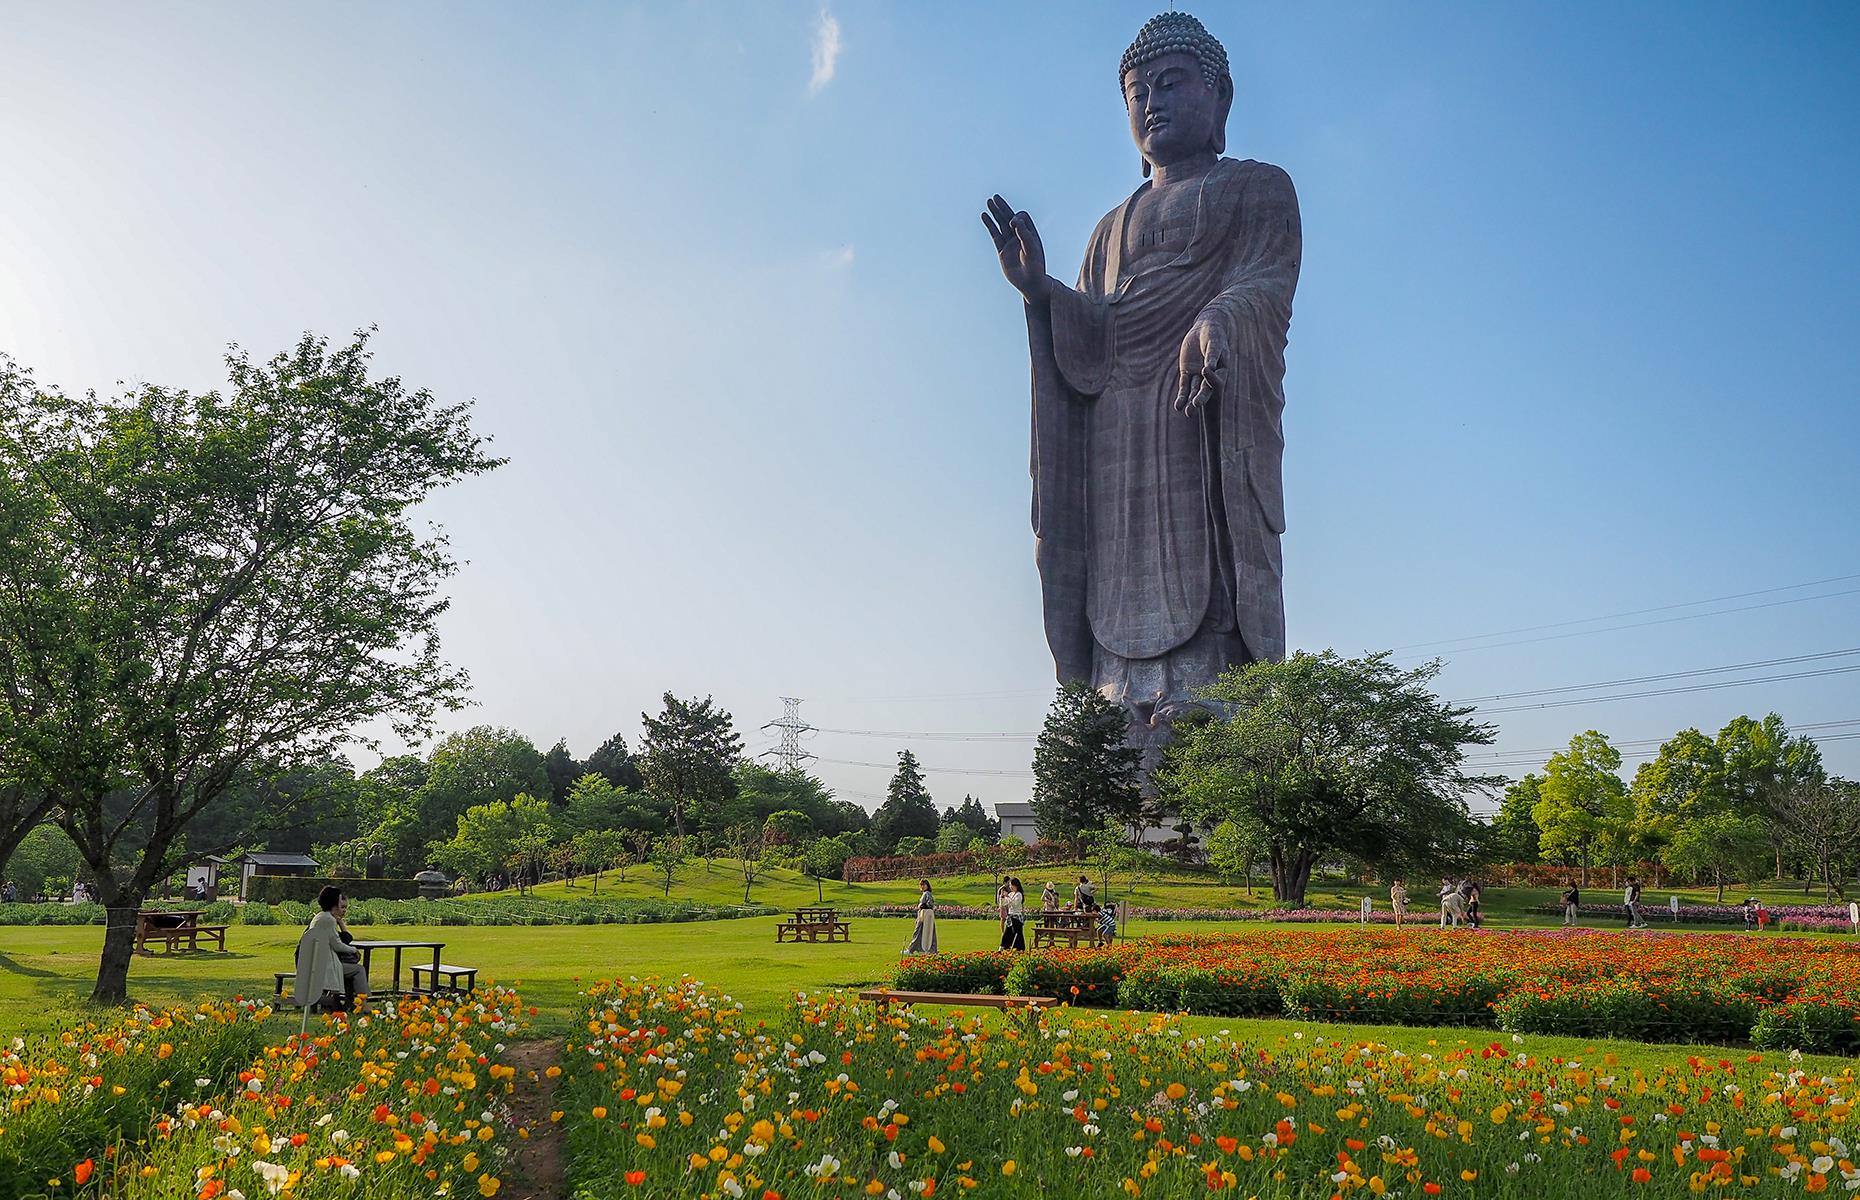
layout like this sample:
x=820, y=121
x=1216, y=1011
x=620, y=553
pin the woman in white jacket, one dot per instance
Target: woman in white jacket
x=329, y=970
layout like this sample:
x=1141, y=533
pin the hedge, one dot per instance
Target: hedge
x=272, y=889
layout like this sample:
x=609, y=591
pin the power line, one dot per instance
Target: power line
x=1554, y=637
x=919, y=735
x=1640, y=612
x=1587, y=687
x=1642, y=742
x=848, y=762
x=1697, y=687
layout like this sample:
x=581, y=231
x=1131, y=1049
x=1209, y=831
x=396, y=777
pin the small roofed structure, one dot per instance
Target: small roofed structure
x=264, y=862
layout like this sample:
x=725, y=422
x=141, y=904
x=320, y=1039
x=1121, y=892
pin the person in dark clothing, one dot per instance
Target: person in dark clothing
x=1572, y=903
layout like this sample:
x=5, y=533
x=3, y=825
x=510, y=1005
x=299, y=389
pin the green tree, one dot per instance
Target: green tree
x=503, y=833
x=466, y=770
x=562, y=771
x=750, y=853
x=614, y=762
x=595, y=803
x=1327, y=755
x=668, y=854
x=193, y=586
x=23, y=805
x=787, y=827
x=1108, y=850
x=908, y=811
x=952, y=837
x=1822, y=817
x=44, y=861
x=1764, y=763
x=1684, y=781
x=825, y=859
x=687, y=760
x=1085, y=772
x=762, y=791
x=1718, y=846
x=1233, y=849
x=972, y=816
x=597, y=850
x=1581, y=799
x=1515, y=837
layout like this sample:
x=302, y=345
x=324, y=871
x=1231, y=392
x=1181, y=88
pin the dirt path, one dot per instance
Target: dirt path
x=536, y=1171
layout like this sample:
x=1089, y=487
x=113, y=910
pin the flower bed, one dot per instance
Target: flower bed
x=673, y=1094
x=1655, y=987
x=1823, y=918
x=224, y=1100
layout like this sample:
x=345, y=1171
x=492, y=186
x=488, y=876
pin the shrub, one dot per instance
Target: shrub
x=1085, y=977
x=270, y=889
x=258, y=914
x=982, y=973
x=1243, y=991
x=1819, y=1020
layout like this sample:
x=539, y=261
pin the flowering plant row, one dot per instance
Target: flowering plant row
x=673, y=1094
x=226, y=1101
x=1829, y=917
x=1660, y=987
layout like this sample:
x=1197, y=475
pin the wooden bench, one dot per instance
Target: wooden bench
x=446, y=979
x=172, y=929
x=886, y=997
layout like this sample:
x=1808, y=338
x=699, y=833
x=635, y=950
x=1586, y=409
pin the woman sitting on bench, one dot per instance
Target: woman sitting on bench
x=329, y=970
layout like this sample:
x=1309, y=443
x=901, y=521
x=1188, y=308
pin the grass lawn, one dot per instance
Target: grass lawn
x=720, y=882
x=46, y=971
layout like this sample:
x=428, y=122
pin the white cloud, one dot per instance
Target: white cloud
x=838, y=260
x=826, y=52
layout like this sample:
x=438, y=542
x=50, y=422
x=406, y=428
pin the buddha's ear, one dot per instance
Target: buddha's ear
x=1222, y=107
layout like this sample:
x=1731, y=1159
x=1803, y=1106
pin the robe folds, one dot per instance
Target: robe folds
x=1151, y=526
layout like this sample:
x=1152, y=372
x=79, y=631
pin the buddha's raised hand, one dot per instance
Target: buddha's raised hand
x=1017, y=242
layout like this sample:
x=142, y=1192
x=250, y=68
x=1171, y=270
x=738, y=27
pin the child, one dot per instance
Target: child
x=1398, y=900
x=1750, y=913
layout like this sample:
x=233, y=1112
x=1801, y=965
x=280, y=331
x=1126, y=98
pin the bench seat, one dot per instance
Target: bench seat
x=887, y=996
x=450, y=974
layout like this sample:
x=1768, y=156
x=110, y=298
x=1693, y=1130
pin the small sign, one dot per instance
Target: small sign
x=1672, y=902
x=1366, y=907
x=1853, y=914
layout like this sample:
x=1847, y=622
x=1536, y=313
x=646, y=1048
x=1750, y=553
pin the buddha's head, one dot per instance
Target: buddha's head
x=1177, y=89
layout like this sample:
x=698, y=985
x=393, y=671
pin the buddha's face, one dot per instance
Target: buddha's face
x=1174, y=113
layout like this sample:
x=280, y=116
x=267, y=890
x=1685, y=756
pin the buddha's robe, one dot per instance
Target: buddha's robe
x=1157, y=533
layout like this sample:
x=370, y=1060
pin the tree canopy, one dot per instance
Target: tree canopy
x=1329, y=755
x=1085, y=772
x=193, y=585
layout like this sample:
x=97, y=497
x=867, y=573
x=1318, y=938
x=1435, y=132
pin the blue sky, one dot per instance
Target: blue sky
x=1576, y=333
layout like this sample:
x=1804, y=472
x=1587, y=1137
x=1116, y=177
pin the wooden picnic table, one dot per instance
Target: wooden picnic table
x=1070, y=926
x=172, y=927
x=814, y=924
x=398, y=947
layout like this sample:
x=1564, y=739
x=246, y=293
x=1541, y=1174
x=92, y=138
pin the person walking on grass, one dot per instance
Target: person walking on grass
x=1572, y=904
x=923, y=938
x=1001, y=901
x=1398, y=900
x=1630, y=897
x=1012, y=935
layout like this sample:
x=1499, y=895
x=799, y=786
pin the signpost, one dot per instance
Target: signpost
x=1365, y=920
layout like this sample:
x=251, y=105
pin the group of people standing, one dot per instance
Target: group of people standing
x=1459, y=903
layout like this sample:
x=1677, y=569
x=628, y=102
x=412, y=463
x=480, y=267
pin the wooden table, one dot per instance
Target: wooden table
x=368, y=949
x=1067, y=926
x=171, y=927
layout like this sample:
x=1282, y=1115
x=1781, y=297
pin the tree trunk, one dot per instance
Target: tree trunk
x=1719, y=876
x=119, y=945
x=1291, y=873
